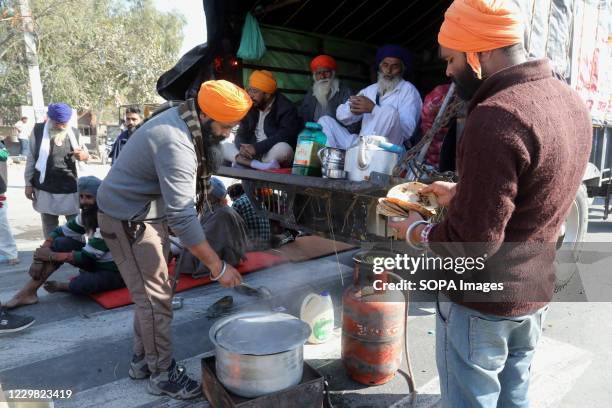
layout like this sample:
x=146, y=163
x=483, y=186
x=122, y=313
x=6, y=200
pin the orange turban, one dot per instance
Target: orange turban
x=223, y=101
x=473, y=26
x=263, y=80
x=323, y=61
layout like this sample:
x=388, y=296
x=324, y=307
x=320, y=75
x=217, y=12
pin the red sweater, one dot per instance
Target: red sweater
x=520, y=160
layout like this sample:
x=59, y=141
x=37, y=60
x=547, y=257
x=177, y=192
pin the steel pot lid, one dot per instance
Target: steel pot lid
x=259, y=333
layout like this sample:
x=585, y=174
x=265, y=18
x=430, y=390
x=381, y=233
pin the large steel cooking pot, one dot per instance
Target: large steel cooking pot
x=258, y=353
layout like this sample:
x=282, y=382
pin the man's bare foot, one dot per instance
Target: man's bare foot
x=54, y=286
x=243, y=161
x=21, y=299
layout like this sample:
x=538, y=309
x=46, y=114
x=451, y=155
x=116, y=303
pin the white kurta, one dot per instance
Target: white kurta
x=395, y=117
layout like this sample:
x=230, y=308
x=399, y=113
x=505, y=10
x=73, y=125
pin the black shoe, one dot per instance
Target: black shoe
x=11, y=323
x=174, y=383
x=139, y=370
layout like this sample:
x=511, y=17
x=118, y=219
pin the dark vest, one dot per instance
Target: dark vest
x=61, y=174
x=3, y=173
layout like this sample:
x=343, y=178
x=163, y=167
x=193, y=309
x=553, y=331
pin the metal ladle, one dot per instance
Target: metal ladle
x=248, y=290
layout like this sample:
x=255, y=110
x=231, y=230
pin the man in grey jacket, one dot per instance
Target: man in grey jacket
x=327, y=93
x=151, y=187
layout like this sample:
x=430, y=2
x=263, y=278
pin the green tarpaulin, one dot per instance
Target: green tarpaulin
x=289, y=52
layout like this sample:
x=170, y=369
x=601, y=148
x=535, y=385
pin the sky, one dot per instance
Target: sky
x=195, y=30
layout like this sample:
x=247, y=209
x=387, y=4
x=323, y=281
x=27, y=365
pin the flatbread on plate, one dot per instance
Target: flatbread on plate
x=407, y=197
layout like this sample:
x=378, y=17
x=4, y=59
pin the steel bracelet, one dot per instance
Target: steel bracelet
x=409, y=233
x=425, y=233
x=223, y=268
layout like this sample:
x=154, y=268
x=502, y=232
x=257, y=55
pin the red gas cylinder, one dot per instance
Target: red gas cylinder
x=373, y=324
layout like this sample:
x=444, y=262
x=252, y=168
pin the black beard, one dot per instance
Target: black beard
x=467, y=83
x=212, y=148
x=89, y=218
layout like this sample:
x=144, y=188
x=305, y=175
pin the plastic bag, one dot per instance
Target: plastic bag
x=4, y=154
x=252, y=46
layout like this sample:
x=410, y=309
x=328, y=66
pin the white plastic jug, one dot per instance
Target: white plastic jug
x=318, y=311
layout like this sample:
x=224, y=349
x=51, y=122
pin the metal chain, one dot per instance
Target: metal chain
x=410, y=162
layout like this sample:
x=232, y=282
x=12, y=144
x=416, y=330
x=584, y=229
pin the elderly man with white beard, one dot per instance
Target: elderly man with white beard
x=391, y=107
x=326, y=94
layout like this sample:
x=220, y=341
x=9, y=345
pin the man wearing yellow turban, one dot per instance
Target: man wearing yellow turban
x=520, y=159
x=167, y=161
x=267, y=135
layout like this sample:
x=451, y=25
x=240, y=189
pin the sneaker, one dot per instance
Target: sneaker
x=174, y=383
x=139, y=370
x=11, y=323
x=286, y=237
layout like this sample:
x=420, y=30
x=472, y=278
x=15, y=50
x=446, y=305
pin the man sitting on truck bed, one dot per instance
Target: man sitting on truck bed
x=391, y=107
x=326, y=94
x=268, y=133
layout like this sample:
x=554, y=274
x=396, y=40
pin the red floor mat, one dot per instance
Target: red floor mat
x=284, y=170
x=255, y=261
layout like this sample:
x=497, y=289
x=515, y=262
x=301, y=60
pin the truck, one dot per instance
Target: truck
x=576, y=35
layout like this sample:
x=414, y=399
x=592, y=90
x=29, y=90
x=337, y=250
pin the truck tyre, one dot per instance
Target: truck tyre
x=571, y=239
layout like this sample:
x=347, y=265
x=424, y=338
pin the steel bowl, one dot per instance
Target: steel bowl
x=334, y=174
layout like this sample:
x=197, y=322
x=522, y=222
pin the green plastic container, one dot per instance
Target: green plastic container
x=310, y=141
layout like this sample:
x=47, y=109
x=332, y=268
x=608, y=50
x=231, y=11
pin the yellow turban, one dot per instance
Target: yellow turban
x=473, y=26
x=263, y=80
x=223, y=101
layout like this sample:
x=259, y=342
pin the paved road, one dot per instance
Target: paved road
x=77, y=345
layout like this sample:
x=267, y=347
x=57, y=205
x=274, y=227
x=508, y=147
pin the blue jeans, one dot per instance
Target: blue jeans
x=24, y=147
x=484, y=360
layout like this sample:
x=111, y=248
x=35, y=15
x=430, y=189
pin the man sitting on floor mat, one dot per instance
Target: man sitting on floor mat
x=78, y=242
x=224, y=229
x=258, y=226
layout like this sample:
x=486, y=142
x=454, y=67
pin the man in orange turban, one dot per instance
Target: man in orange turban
x=149, y=189
x=473, y=33
x=223, y=102
x=327, y=93
x=268, y=133
x=521, y=159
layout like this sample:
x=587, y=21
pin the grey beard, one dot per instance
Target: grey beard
x=387, y=85
x=324, y=89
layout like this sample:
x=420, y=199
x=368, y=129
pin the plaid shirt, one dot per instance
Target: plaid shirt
x=258, y=228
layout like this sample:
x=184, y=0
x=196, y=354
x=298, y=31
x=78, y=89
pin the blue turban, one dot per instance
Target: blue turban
x=395, y=51
x=59, y=112
x=218, y=188
x=89, y=185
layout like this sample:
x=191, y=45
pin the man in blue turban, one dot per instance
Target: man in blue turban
x=390, y=108
x=395, y=51
x=60, y=113
x=51, y=167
